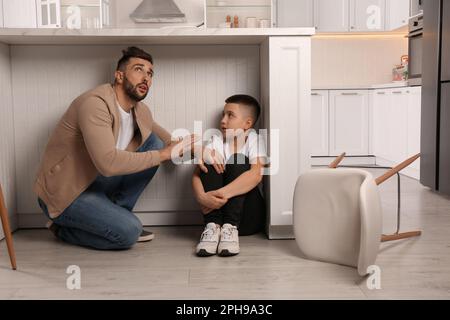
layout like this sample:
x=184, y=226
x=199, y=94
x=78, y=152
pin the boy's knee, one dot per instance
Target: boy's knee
x=211, y=170
x=237, y=165
x=238, y=158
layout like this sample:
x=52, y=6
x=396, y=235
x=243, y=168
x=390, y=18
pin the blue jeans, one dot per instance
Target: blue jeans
x=101, y=217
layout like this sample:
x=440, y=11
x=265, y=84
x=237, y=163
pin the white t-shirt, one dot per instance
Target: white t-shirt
x=253, y=148
x=126, y=131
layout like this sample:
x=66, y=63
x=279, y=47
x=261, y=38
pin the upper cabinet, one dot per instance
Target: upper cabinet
x=343, y=15
x=295, y=13
x=331, y=15
x=397, y=13
x=19, y=14
x=445, y=75
x=367, y=15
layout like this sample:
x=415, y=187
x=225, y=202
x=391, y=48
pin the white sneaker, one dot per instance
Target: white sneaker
x=229, y=241
x=208, y=241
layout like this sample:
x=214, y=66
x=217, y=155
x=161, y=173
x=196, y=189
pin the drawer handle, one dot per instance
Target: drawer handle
x=396, y=92
x=314, y=94
x=381, y=92
x=349, y=93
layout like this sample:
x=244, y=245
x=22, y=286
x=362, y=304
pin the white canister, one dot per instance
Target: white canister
x=264, y=23
x=252, y=22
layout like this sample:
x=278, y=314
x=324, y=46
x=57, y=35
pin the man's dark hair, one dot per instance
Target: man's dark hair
x=248, y=102
x=132, y=52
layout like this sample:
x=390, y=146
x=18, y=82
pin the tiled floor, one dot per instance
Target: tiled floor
x=167, y=268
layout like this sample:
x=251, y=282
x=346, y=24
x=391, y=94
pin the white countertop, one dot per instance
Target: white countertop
x=166, y=35
x=399, y=84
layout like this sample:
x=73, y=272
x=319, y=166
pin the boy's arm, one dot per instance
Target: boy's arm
x=207, y=200
x=244, y=183
x=197, y=184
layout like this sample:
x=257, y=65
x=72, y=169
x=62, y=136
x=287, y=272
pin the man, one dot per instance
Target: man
x=101, y=156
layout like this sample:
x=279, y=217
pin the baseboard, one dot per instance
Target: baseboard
x=38, y=220
x=348, y=160
x=13, y=224
x=281, y=232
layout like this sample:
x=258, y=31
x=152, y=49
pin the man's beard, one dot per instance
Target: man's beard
x=132, y=91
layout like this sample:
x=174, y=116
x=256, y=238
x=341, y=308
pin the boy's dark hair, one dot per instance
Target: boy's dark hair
x=132, y=52
x=247, y=101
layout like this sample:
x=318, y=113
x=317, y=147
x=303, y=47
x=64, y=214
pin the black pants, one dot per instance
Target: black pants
x=247, y=212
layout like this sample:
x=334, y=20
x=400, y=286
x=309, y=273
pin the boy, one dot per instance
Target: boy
x=227, y=187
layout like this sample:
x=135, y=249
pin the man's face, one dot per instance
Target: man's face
x=234, y=118
x=137, y=78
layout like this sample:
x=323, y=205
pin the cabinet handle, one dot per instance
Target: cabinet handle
x=314, y=94
x=396, y=92
x=349, y=93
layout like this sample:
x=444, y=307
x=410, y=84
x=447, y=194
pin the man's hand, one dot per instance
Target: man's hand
x=178, y=148
x=213, y=158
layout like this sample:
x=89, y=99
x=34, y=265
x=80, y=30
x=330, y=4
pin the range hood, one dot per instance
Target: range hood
x=162, y=11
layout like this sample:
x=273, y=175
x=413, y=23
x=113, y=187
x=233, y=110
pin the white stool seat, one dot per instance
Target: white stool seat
x=337, y=217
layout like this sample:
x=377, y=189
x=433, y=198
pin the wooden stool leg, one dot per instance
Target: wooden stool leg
x=336, y=161
x=398, y=236
x=7, y=230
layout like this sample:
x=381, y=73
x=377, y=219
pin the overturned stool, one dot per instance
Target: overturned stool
x=338, y=215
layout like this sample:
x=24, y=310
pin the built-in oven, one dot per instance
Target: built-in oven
x=415, y=49
x=416, y=7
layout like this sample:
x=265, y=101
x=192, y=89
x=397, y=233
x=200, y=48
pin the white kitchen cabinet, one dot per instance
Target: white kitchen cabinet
x=413, y=124
x=319, y=123
x=380, y=111
x=331, y=15
x=285, y=64
x=397, y=13
x=19, y=14
x=367, y=15
x=295, y=13
x=396, y=120
x=349, y=122
x=396, y=126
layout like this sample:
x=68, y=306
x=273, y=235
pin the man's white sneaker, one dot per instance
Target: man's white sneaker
x=229, y=241
x=208, y=241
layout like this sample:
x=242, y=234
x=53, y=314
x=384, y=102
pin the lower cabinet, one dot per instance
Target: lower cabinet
x=349, y=122
x=381, y=122
x=396, y=124
x=319, y=123
x=340, y=122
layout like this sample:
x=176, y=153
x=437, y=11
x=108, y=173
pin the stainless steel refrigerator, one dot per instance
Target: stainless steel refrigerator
x=435, y=115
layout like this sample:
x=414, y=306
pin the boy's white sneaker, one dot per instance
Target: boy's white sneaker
x=209, y=241
x=229, y=241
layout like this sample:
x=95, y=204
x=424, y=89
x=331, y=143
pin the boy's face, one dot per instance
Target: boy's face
x=235, y=117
